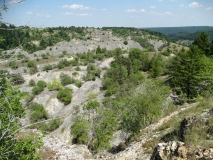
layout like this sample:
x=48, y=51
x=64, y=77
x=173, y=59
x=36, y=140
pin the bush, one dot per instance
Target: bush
x=16, y=79
x=37, y=90
x=80, y=130
x=91, y=105
x=78, y=84
x=65, y=95
x=53, y=125
x=54, y=85
x=39, y=87
x=47, y=67
x=13, y=65
x=41, y=84
x=32, y=83
x=37, y=113
x=66, y=79
x=125, y=42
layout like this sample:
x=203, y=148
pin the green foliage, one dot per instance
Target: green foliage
x=125, y=72
x=65, y=95
x=41, y=84
x=190, y=72
x=92, y=104
x=156, y=66
x=37, y=113
x=66, y=79
x=32, y=83
x=13, y=65
x=63, y=63
x=16, y=79
x=104, y=127
x=78, y=84
x=202, y=42
x=54, y=85
x=144, y=43
x=39, y=87
x=32, y=66
x=48, y=67
x=92, y=73
x=80, y=130
x=12, y=147
x=91, y=96
x=98, y=50
x=48, y=126
x=125, y=42
x=26, y=147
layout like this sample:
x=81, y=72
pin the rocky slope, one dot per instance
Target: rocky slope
x=58, y=144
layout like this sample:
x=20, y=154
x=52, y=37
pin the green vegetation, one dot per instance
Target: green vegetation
x=37, y=112
x=39, y=87
x=66, y=79
x=92, y=73
x=32, y=83
x=16, y=79
x=32, y=66
x=13, y=143
x=192, y=70
x=54, y=85
x=80, y=130
x=65, y=95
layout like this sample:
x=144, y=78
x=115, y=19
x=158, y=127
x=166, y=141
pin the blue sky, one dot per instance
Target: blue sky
x=99, y=13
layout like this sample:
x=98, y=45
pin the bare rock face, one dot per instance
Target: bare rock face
x=164, y=151
x=55, y=148
x=178, y=151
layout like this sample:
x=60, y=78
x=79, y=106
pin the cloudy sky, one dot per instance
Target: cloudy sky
x=99, y=13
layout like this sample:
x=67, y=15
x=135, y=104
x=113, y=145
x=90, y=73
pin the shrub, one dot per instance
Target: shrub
x=53, y=125
x=78, y=84
x=32, y=83
x=37, y=112
x=54, y=85
x=125, y=42
x=66, y=79
x=16, y=79
x=39, y=87
x=47, y=67
x=80, y=130
x=37, y=90
x=13, y=65
x=65, y=95
x=91, y=105
x=41, y=84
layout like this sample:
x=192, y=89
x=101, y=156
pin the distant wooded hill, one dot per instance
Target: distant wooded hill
x=184, y=33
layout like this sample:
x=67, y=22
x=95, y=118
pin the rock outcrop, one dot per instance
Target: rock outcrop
x=179, y=151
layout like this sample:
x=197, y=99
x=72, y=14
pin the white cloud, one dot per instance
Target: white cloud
x=104, y=9
x=15, y=2
x=68, y=13
x=76, y=6
x=182, y=5
x=160, y=0
x=168, y=13
x=131, y=10
x=134, y=10
x=142, y=10
x=83, y=14
x=152, y=7
x=209, y=8
x=29, y=12
x=194, y=5
x=47, y=16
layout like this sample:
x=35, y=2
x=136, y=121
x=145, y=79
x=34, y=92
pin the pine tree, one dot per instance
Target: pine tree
x=188, y=71
x=202, y=41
